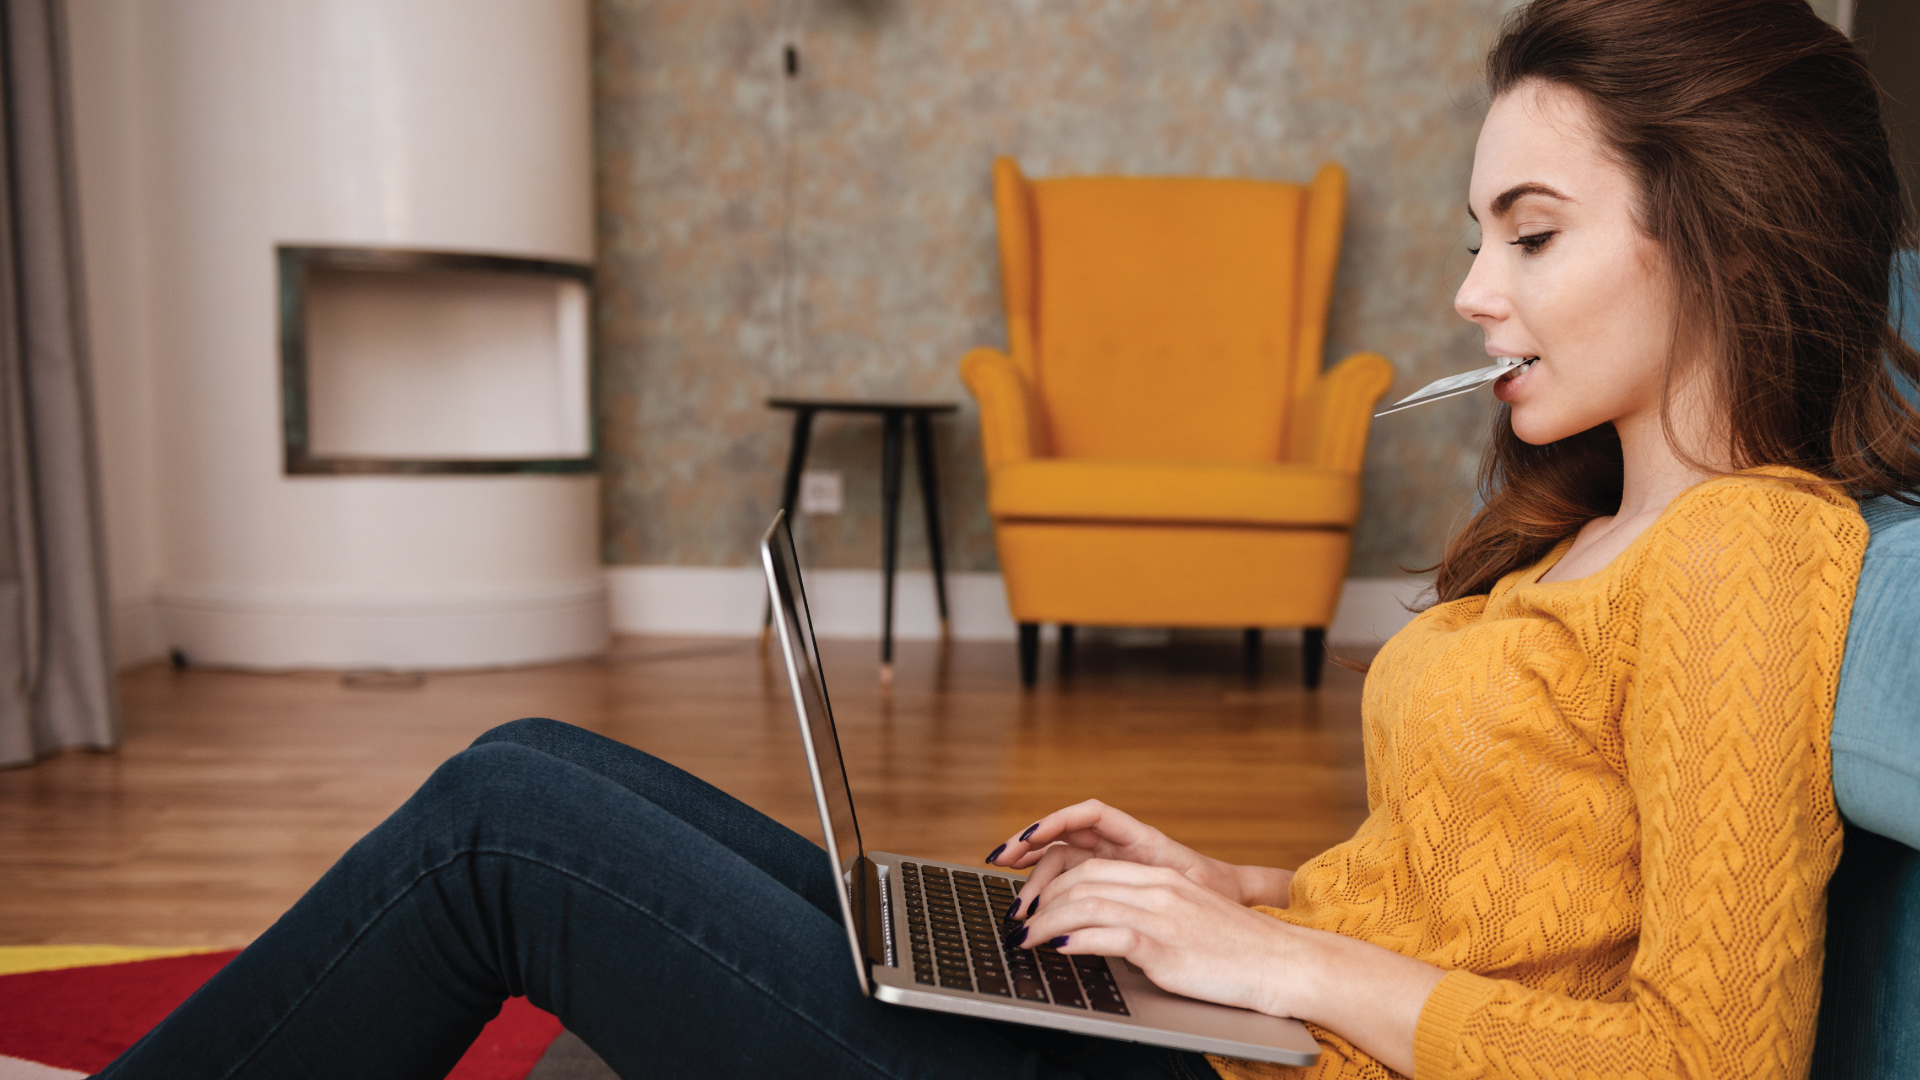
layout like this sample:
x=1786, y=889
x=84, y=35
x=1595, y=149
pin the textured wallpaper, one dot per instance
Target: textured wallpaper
x=833, y=232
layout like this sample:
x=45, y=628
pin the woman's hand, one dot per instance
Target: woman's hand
x=1186, y=937
x=1067, y=838
x=1195, y=941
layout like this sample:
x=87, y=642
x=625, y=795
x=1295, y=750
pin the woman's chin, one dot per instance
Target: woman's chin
x=1533, y=420
x=1532, y=427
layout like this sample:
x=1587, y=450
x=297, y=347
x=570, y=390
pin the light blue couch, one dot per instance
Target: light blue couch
x=1870, y=1001
x=1876, y=725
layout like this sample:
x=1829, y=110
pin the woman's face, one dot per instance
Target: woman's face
x=1563, y=274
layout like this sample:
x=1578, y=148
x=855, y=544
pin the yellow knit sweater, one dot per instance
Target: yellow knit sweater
x=1605, y=806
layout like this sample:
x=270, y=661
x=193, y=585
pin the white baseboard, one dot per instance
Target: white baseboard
x=281, y=632
x=278, y=630
x=714, y=601
x=137, y=634
x=1374, y=609
x=724, y=601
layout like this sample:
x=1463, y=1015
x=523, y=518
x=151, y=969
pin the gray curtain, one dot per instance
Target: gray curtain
x=56, y=674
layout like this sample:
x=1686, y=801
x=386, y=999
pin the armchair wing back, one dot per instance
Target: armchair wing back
x=1167, y=318
x=1162, y=446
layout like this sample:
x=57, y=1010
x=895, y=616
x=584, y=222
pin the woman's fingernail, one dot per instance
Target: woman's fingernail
x=1057, y=942
x=1014, y=908
x=996, y=852
x=1029, y=832
x=1032, y=906
x=1016, y=937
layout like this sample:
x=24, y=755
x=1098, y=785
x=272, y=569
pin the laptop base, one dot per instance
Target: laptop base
x=1155, y=1016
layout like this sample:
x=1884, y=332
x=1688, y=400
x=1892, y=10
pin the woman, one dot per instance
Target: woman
x=1601, y=811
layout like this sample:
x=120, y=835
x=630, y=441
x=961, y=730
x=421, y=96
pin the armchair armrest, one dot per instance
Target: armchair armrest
x=1330, y=423
x=1006, y=425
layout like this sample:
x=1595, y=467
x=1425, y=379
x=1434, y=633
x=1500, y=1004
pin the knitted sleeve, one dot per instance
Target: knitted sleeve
x=1731, y=637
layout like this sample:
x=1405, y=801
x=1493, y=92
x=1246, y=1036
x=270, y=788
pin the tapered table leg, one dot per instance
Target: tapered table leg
x=790, y=489
x=893, y=416
x=890, y=447
x=930, y=502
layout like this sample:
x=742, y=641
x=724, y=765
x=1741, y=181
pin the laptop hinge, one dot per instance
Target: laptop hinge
x=871, y=893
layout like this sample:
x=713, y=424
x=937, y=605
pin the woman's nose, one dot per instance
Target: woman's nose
x=1481, y=298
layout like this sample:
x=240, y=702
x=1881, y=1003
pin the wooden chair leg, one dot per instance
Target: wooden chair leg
x=1029, y=654
x=1066, y=648
x=1251, y=643
x=1313, y=647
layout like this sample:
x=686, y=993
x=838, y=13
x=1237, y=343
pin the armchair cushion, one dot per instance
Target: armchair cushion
x=1185, y=492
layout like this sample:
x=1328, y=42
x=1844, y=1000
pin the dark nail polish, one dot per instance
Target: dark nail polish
x=1032, y=906
x=1013, y=909
x=1057, y=942
x=996, y=853
x=1029, y=832
x=1016, y=937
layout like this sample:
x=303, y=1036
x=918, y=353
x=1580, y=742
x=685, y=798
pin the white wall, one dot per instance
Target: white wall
x=106, y=85
x=201, y=140
x=209, y=131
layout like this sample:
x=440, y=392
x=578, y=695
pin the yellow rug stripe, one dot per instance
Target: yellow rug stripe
x=16, y=959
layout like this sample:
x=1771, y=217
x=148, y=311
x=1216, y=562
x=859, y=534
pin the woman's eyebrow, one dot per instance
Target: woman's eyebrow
x=1505, y=200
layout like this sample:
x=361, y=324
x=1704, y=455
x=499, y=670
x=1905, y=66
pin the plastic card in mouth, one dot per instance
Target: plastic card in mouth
x=1456, y=384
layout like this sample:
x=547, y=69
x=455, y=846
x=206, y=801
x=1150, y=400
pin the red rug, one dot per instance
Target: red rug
x=84, y=1017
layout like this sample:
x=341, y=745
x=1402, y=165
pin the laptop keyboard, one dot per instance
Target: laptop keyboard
x=955, y=926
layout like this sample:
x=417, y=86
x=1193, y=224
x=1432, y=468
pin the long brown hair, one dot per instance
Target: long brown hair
x=1752, y=130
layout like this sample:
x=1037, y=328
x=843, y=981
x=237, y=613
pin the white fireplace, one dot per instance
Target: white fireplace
x=432, y=160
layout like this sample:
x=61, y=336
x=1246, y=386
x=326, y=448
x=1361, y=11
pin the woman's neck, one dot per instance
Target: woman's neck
x=1659, y=464
x=1654, y=474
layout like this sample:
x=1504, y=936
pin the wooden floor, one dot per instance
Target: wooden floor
x=233, y=792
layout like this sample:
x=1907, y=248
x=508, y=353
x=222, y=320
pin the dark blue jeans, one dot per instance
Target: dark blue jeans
x=676, y=930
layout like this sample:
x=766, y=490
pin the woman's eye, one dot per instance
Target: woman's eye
x=1533, y=243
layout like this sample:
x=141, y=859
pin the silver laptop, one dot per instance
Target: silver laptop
x=929, y=934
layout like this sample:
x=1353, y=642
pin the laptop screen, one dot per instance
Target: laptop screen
x=795, y=625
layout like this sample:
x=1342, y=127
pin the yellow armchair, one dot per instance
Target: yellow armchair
x=1162, y=448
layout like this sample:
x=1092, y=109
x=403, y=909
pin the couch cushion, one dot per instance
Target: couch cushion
x=1067, y=489
x=1876, y=714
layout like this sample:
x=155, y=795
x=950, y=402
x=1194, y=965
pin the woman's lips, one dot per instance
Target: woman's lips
x=1506, y=386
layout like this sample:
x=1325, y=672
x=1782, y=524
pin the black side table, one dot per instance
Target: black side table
x=893, y=420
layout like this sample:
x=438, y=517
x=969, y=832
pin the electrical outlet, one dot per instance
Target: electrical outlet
x=820, y=492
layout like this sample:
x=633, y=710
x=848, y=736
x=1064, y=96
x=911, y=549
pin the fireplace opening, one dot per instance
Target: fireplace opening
x=432, y=362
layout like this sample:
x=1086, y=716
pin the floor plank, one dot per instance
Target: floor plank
x=233, y=791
